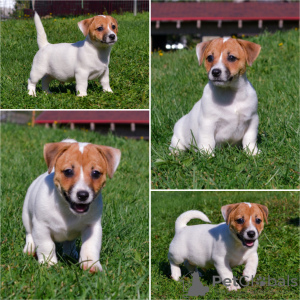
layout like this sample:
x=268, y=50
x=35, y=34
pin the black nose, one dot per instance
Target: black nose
x=82, y=195
x=216, y=72
x=251, y=234
x=112, y=36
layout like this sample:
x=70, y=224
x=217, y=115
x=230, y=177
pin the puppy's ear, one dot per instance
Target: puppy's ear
x=251, y=49
x=264, y=211
x=53, y=151
x=200, y=49
x=84, y=25
x=227, y=210
x=112, y=157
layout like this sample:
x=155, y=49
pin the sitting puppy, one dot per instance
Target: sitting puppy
x=227, y=111
x=222, y=246
x=81, y=61
x=66, y=202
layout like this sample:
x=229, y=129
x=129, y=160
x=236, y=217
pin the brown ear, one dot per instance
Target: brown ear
x=252, y=50
x=227, y=210
x=264, y=211
x=200, y=48
x=112, y=156
x=84, y=25
x=53, y=151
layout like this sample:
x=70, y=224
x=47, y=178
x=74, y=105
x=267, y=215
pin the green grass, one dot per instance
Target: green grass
x=125, y=245
x=278, y=249
x=177, y=83
x=129, y=65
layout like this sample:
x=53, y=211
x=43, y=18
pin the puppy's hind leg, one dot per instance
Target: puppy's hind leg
x=45, y=83
x=176, y=145
x=175, y=270
x=29, y=247
x=35, y=76
x=190, y=267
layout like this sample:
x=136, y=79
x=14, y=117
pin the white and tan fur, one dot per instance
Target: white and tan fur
x=222, y=246
x=81, y=61
x=65, y=202
x=227, y=111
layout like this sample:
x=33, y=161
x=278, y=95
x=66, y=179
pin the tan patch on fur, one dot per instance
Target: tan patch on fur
x=89, y=26
x=233, y=212
x=65, y=156
x=244, y=51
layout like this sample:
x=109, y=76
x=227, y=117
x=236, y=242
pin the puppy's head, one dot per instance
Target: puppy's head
x=225, y=59
x=80, y=170
x=245, y=220
x=102, y=30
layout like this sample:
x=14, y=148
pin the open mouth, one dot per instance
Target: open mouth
x=247, y=243
x=78, y=208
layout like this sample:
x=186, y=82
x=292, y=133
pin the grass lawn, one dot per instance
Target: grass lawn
x=177, y=84
x=129, y=65
x=125, y=245
x=278, y=249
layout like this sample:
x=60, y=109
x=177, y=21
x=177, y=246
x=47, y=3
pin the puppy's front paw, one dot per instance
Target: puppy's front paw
x=248, y=275
x=92, y=266
x=29, y=249
x=232, y=287
x=31, y=92
x=82, y=95
x=107, y=90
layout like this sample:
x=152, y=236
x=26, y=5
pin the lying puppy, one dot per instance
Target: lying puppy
x=222, y=246
x=66, y=202
x=227, y=111
x=81, y=61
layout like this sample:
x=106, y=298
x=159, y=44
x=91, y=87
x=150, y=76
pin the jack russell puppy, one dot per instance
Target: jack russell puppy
x=227, y=111
x=222, y=246
x=81, y=61
x=65, y=202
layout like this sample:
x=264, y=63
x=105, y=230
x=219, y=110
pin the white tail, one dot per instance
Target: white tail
x=184, y=218
x=41, y=34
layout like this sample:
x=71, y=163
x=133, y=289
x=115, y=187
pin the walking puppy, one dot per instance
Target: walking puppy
x=65, y=202
x=81, y=61
x=222, y=246
x=227, y=111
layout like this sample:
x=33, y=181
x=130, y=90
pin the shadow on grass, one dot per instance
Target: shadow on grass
x=294, y=221
x=70, y=88
x=207, y=276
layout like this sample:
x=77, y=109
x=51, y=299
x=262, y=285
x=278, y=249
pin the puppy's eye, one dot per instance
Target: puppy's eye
x=240, y=221
x=257, y=221
x=95, y=174
x=68, y=173
x=210, y=58
x=231, y=58
x=100, y=28
x=113, y=27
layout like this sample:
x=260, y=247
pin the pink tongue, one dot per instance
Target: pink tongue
x=249, y=244
x=80, y=207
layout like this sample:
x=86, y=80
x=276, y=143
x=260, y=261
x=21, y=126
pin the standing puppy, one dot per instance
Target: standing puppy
x=81, y=61
x=227, y=111
x=222, y=246
x=65, y=202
